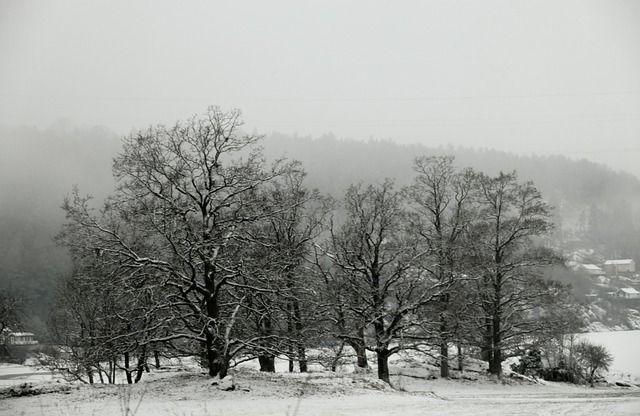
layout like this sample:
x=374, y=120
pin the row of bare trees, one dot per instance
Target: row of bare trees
x=206, y=247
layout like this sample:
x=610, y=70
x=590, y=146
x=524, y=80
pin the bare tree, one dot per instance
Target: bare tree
x=372, y=249
x=512, y=217
x=105, y=317
x=189, y=192
x=592, y=358
x=440, y=214
x=10, y=306
x=10, y=319
x=78, y=323
x=281, y=245
x=339, y=315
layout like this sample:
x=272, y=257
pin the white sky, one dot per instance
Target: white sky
x=522, y=76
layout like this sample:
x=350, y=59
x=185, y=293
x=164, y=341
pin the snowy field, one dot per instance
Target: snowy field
x=624, y=346
x=12, y=374
x=187, y=390
x=191, y=393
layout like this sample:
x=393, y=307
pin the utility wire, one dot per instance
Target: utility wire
x=317, y=99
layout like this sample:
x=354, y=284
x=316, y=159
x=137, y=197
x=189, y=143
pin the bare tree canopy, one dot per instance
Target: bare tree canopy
x=186, y=196
x=205, y=248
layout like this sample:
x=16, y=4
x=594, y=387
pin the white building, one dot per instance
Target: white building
x=592, y=269
x=20, y=338
x=613, y=267
x=628, y=293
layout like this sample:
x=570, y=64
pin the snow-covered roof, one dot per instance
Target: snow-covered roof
x=615, y=262
x=22, y=334
x=591, y=267
x=630, y=291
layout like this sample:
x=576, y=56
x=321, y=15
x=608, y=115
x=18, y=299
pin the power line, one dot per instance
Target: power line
x=318, y=99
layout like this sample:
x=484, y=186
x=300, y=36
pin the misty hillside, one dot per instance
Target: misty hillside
x=37, y=168
x=330, y=160
x=595, y=206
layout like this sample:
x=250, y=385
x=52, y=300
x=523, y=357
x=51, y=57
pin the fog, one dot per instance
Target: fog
x=541, y=77
x=497, y=84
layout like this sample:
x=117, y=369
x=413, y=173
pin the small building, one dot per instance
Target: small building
x=592, y=269
x=613, y=267
x=15, y=346
x=627, y=293
x=591, y=297
x=21, y=338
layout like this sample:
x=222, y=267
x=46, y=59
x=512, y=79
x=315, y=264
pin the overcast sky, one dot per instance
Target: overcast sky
x=541, y=77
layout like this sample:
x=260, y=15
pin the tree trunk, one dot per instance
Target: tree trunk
x=127, y=370
x=383, y=365
x=444, y=329
x=156, y=357
x=216, y=362
x=444, y=359
x=290, y=331
x=142, y=364
x=112, y=371
x=356, y=343
x=267, y=363
x=359, y=347
x=362, y=361
x=444, y=344
x=265, y=328
x=382, y=353
x=495, y=365
x=220, y=368
x=460, y=358
x=291, y=360
x=334, y=363
x=486, y=351
x=302, y=355
x=302, y=358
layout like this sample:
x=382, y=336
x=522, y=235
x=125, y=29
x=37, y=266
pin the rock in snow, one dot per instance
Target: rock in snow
x=227, y=384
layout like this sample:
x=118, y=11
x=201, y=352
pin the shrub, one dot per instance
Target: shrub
x=590, y=359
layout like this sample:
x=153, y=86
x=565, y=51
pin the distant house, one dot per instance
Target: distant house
x=613, y=267
x=16, y=344
x=592, y=269
x=627, y=293
x=21, y=338
x=591, y=297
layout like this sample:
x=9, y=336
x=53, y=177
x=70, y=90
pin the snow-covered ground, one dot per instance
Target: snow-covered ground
x=12, y=374
x=184, y=389
x=624, y=346
x=187, y=390
x=322, y=393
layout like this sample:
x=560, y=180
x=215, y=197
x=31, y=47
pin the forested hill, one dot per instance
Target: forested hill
x=37, y=168
x=333, y=163
x=596, y=206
